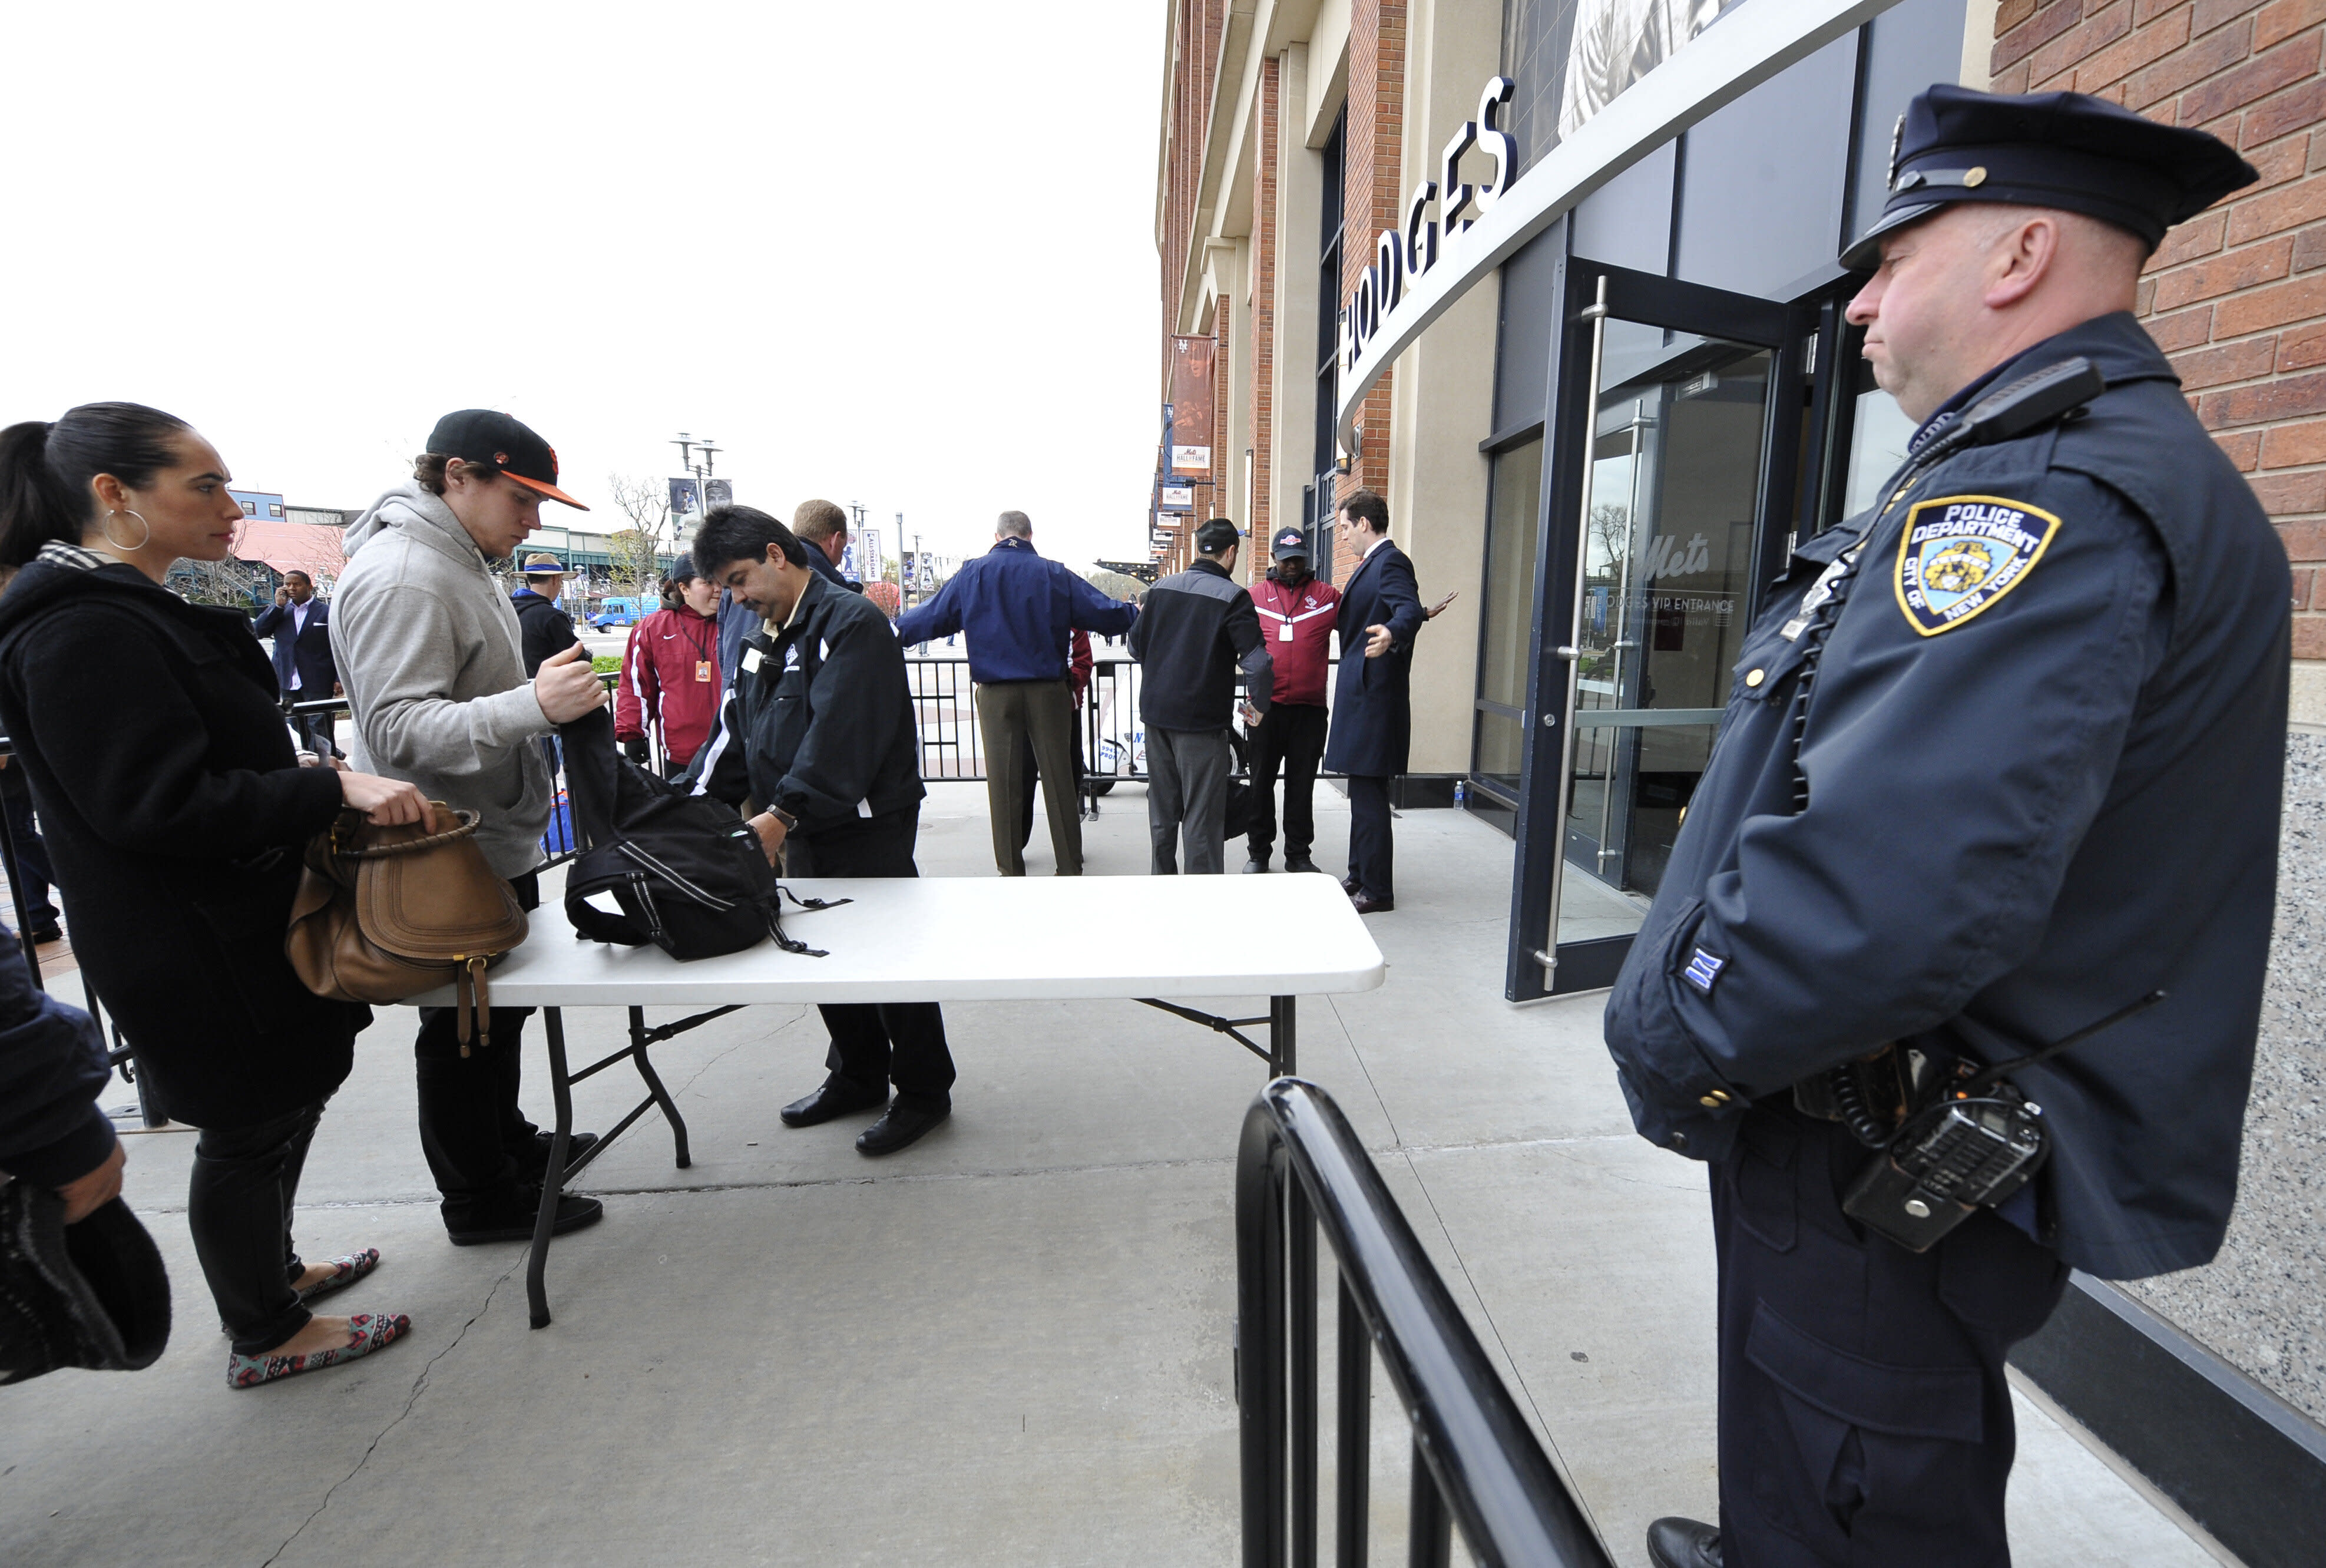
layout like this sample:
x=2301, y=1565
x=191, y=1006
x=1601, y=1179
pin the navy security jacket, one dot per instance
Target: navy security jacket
x=309, y=653
x=1198, y=628
x=819, y=719
x=2043, y=753
x=1373, y=702
x=1018, y=609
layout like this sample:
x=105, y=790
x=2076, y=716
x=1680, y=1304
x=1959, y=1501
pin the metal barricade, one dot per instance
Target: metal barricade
x=1476, y=1461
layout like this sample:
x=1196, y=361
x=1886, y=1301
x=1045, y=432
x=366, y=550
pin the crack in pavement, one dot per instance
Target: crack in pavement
x=419, y=1386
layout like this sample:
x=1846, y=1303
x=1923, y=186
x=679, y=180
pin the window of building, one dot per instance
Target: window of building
x=1500, y=737
x=250, y=508
x=274, y=509
x=1328, y=346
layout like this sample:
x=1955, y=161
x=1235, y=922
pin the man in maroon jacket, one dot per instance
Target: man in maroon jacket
x=1297, y=616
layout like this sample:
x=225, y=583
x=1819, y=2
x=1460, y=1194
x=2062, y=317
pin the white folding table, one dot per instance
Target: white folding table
x=1149, y=939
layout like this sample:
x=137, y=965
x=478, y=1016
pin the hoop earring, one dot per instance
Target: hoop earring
x=127, y=549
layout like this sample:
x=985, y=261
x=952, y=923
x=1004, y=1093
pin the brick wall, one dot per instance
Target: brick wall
x=2236, y=296
x=1375, y=144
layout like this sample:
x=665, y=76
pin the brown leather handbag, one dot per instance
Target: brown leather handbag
x=385, y=913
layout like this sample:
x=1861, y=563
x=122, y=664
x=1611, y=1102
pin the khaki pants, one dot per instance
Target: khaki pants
x=1011, y=713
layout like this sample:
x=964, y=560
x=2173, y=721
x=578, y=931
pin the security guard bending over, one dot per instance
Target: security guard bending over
x=2001, y=762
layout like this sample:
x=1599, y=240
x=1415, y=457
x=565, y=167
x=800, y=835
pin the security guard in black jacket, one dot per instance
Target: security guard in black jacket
x=817, y=735
x=2001, y=762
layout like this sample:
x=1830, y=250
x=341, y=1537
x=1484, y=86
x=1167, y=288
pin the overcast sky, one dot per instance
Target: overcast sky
x=898, y=253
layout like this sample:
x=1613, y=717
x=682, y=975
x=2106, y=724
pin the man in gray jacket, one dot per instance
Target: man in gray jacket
x=428, y=647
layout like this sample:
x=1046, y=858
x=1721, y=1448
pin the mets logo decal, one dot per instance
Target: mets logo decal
x=1960, y=554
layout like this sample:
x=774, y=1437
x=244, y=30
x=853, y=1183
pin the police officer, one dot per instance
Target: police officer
x=2002, y=758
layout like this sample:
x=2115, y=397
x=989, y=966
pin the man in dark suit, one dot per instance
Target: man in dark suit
x=1372, y=708
x=301, y=625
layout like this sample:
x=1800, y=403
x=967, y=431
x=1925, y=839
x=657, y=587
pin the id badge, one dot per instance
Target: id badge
x=1284, y=632
x=702, y=671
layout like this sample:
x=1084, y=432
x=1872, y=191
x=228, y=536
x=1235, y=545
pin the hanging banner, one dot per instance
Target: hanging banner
x=719, y=492
x=1190, y=405
x=1179, y=498
x=686, y=497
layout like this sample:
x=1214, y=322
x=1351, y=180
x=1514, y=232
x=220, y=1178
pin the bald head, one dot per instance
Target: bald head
x=1976, y=283
x=1013, y=525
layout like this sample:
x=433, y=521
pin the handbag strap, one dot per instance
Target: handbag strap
x=464, y=826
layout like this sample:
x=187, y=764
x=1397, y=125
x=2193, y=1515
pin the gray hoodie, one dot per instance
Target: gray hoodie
x=428, y=648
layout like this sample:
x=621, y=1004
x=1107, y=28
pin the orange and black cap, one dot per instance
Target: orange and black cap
x=493, y=440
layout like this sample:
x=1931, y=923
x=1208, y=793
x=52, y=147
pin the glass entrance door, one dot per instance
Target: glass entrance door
x=1684, y=419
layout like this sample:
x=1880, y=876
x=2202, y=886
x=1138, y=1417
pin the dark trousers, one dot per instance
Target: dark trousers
x=1031, y=767
x=477, y=1143
x=238, y=1206
x=1863, y=1415
x=1187, y=773
x=1373, y=850
x=875, y=1044
x=1291, y=737
x=36, y=910
x=1013, y=716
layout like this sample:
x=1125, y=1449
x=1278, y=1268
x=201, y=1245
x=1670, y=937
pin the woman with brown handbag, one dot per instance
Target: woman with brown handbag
x=175, y=810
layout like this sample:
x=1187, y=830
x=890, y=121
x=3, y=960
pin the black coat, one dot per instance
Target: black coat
x=1373, y=698
x=819, y=720
x=543, y=628
x=174, y=812
x=309, y=652
x=2043, y=753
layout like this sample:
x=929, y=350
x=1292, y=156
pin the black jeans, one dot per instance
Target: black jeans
x=315, y=729
x=475, y=1137
x=1372, y=847
x=875, y=1044
x=1864, y=1414
x=1292, y=737
x=238, y=1206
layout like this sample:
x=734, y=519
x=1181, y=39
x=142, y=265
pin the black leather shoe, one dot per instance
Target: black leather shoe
x=1256, y=863
x=535, y=1163
x=513, y=1219
x=901, y=1126
x=1349, y=886
x=1683, y=1543
x=839, y=1096
x=47, y=934
x=1369, y=905
x=1299, y=862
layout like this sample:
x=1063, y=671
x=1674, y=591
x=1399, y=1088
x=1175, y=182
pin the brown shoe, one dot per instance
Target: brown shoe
x=1366, y=904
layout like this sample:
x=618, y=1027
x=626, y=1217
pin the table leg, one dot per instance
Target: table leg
x=552, y=1180
x=654, y=1086
x=1283, y=1046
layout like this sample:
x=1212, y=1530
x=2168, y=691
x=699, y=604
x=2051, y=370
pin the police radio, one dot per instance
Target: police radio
x=1980, y=1141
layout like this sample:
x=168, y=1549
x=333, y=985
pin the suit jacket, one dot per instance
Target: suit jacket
x=310, y=653
x=1373, y=705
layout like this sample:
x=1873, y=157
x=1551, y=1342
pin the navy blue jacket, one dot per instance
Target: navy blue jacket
x=52, y=1067
x=737, y=621
x=819, y=719
x=2042, y=756
x=312, y=649
x=1018, y=610
x=1373, y=702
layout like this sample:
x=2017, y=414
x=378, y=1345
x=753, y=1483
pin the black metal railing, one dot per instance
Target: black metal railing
x=1476, y=1461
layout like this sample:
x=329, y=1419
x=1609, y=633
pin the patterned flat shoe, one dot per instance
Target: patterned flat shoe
x=367, y=1332
x=345, y=1272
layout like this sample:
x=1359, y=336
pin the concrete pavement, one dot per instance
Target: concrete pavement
x=1009, y=1345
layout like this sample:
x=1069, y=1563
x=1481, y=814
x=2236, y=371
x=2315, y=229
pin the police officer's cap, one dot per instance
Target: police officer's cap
x=1290, y=542
x=2066, y=150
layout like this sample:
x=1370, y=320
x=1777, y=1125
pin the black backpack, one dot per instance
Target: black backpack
x=689, y=875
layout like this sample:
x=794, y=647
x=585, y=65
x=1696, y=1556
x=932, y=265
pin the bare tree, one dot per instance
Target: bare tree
x=644, y=501
x=636, y=568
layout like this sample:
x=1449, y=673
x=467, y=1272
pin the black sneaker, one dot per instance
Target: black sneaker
x=512, y=1219
x=533, y=1163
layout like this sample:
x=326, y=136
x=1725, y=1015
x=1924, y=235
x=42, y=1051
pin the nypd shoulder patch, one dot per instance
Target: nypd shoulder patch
x=1960, y=554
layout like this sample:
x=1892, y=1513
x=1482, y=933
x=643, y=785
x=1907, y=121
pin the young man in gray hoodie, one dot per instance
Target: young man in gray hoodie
x=428, y=647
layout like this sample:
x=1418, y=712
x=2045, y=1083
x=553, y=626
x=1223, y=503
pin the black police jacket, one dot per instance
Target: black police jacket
x=2042, y=756
x=819, y=718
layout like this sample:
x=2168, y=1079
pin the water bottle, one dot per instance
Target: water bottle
x=1461, y=792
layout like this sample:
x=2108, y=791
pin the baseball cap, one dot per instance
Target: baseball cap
x=493, y=440
x=1216, y=534
x=1290, y=542
x=543, y=566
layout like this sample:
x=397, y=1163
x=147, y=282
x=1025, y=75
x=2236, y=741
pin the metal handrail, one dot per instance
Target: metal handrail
x=1300, y=1169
